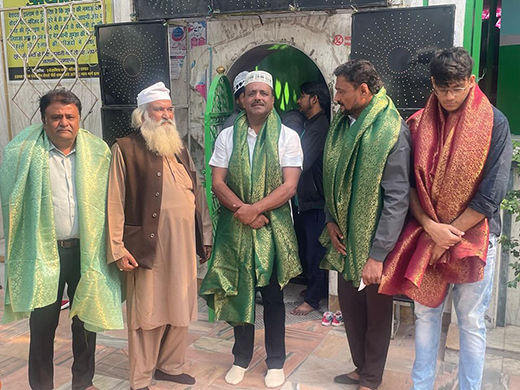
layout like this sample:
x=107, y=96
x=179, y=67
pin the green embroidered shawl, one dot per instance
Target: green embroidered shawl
x=243, y=258
x=32, y=260
x=353, y=164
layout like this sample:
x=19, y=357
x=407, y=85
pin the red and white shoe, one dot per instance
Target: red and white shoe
x=327, y=319
x=337, y=320
x=65, y=304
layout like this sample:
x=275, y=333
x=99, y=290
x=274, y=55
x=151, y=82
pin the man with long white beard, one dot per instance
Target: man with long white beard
x=158, y=222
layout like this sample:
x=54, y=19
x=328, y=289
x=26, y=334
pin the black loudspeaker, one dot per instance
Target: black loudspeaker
x=338, y=4
x=231, y=6
x=400, y=42
x=116, y=122
x=132, y=56
x=171, y=9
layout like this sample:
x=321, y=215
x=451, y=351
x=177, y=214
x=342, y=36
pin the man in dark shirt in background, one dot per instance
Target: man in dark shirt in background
x=238, y=92
x=462, y=158
x=309, y=218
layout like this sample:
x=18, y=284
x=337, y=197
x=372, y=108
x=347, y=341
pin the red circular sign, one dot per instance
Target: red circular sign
x=338, y=40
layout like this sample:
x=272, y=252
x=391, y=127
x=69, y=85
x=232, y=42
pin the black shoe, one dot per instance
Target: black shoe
x=346, y=380
x=184, y=379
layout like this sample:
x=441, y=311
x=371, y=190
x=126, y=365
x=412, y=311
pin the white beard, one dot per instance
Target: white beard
x=161, y=136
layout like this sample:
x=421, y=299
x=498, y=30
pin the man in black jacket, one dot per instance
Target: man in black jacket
x=309, y=218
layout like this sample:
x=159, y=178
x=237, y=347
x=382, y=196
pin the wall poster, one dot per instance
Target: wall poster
x=50, y=51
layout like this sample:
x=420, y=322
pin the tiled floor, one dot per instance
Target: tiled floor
x=315, y=354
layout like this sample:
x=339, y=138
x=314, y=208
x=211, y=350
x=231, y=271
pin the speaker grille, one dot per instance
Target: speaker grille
x=230, y=6
x=335, y=4
x=169, y=9
x=400, y=43
x=116, y=123
x=132, y=56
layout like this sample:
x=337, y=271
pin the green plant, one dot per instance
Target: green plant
x=511, y=204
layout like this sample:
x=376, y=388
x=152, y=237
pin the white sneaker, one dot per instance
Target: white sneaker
x=274, y=378
x=235, y=375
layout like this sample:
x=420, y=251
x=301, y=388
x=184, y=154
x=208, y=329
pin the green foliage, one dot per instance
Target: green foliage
x=511, y=204
x=516, y=152
x=513, y=246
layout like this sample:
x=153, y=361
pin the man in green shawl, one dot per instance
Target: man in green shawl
x=365, y=179
x=54, y=182
x=256, y=165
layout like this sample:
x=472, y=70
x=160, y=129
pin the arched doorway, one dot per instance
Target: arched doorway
x=289, y=66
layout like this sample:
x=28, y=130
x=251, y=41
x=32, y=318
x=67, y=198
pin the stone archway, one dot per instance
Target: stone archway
x=289, y=66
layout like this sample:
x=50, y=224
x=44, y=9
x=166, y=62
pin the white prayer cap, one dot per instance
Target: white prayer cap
x=259, y=76
x=240, y=81
x=154, y=92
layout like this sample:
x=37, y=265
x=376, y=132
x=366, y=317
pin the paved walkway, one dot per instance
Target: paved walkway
x=315, y=354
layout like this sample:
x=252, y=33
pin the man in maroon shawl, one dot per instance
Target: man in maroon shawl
x=462, y=157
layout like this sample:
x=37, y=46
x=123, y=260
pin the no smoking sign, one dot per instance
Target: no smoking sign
x=341, y=40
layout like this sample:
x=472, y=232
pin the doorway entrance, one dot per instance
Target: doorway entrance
x=289, y=66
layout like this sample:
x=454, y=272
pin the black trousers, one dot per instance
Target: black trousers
x=274, y=322
x=308, y=226
x=368, y=323
x=43, y=323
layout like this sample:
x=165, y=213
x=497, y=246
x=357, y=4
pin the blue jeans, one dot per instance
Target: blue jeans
x=471, y=301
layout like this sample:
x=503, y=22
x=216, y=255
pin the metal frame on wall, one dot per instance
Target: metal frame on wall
x=42, y=42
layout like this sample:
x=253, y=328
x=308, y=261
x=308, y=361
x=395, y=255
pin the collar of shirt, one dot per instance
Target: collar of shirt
x=54, y=149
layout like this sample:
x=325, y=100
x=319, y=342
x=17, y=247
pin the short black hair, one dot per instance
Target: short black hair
x=358, y=72
x=60, y=95
x=320, y=90
x=239, y=92
x=451, y=65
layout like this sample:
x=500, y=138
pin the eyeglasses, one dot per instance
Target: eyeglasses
x=454, y=91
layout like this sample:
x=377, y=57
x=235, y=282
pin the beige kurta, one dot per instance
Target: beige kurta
x=166, y=294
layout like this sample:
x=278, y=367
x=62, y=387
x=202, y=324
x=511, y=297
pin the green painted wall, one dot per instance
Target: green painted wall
x=508, y=93
x=473, y=30
x=509, y=85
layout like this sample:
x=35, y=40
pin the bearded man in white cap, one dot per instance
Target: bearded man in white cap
x=256, y=165
x=158, y=221
x=238, y=92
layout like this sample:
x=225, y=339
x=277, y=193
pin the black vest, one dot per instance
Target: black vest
x=144, y=184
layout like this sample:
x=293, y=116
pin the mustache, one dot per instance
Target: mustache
x=163, y=121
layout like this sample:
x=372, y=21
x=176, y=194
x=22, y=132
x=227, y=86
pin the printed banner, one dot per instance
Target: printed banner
x=177, y=50
x=51, y=53
x=197, y=33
